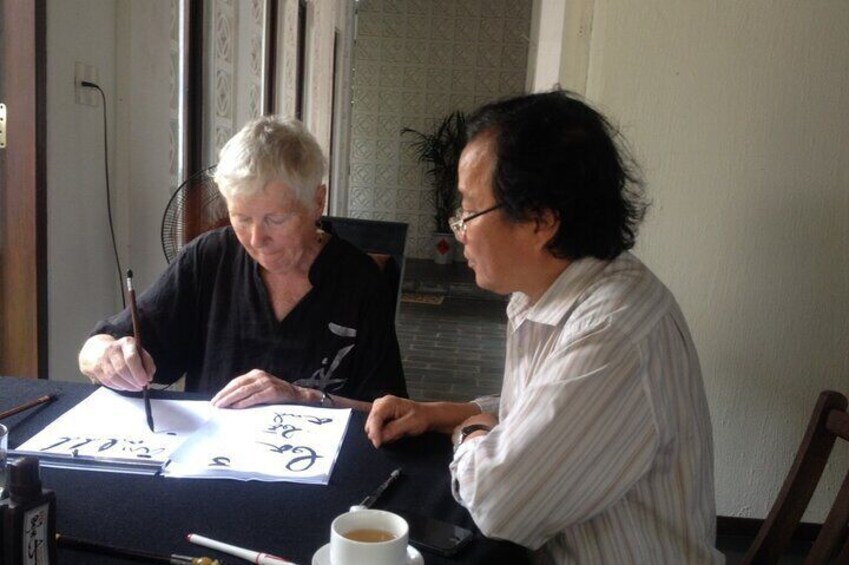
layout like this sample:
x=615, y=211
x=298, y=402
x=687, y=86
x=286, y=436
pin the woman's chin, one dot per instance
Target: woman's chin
x=273, y=265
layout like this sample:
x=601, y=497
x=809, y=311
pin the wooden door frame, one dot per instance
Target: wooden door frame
x=23, y=266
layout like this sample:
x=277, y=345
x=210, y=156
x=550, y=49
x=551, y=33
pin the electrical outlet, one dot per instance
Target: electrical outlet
x=86, y=95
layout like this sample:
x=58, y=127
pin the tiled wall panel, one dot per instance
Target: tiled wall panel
x=416, y=61
x=235, y=82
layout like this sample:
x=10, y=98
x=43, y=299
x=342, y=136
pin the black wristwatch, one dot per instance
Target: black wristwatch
x=466, y=431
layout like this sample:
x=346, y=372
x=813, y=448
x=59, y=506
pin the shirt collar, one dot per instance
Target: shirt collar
x=326, y=262
x=559, y=299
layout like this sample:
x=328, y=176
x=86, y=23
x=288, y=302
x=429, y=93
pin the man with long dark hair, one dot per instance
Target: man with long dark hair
x=599, y=448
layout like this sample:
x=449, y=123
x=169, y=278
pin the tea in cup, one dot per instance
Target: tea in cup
x=376, y=537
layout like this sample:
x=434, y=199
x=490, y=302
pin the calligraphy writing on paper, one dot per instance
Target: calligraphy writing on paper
x=296, y=464
x=306, y=455
x=278, y=427
x=317, y=420
x=77, y=445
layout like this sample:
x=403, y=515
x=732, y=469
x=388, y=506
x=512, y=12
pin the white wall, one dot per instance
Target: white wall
x=146, y=144
x=287, y=52
x=545, y=47
x=340, y=154
x=81, y=274
x=318, y=105
x=558, y=53
x=83, y=284
x=324, y=17
x=738, y=113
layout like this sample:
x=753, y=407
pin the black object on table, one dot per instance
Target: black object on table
x=154, y=514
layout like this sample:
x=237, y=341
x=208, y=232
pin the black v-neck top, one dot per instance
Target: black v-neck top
x=209, y=316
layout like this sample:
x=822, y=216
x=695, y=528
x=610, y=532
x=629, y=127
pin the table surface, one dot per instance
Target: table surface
x=154, y=513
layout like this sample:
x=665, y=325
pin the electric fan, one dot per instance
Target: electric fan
x=195, y=208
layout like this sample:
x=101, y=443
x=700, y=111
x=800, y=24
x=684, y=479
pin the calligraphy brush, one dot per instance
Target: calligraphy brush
x=134, y=312
x=131, y=554
x=28, y=405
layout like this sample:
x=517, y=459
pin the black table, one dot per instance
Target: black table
x=153, y=513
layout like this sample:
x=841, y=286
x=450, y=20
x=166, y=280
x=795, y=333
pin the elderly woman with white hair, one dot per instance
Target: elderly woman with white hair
x=269, y=309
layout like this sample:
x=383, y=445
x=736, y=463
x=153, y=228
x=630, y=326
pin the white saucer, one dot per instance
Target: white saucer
x=322, y=556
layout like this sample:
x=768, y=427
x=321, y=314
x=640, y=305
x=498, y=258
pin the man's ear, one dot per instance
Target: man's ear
x=546, y=224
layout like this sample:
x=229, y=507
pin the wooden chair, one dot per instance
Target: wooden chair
x=384, y=241
x=828, y=422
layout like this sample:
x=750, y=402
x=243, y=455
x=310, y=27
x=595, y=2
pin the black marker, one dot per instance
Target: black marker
x=372, y=498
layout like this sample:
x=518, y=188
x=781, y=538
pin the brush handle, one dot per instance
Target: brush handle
x=27, y=406
x=105, y=549
x=134, y=313
x=246, y=554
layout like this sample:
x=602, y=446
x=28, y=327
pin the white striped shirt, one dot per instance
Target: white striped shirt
x=603, y=451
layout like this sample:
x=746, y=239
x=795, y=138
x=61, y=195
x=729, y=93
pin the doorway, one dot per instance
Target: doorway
x=23, y=345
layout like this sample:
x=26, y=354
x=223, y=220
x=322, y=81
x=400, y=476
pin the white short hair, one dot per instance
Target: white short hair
x=268, y=149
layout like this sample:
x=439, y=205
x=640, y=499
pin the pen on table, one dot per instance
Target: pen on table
x=27, y=405
x=372, y=498
x=134, y=312
x=255, y=557
x=131, y=554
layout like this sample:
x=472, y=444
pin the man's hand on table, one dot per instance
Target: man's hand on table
x=116, y=363
x=392, y=418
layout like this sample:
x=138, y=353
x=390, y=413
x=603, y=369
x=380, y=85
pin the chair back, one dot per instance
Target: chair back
x=384, y=241
x=828, y=423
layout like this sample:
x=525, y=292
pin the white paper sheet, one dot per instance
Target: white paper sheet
x=268, y=443
x=108, y=426
x=108, y=431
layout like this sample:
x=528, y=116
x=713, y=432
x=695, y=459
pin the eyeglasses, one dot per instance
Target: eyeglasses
x=458, y=223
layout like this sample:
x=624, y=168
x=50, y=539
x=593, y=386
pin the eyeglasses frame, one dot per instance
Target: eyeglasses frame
x=457, y=222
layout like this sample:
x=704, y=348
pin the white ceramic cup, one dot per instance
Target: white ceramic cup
x=4, y=444
x=344, y=551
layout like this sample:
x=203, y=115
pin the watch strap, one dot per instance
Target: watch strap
x=466, y=431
